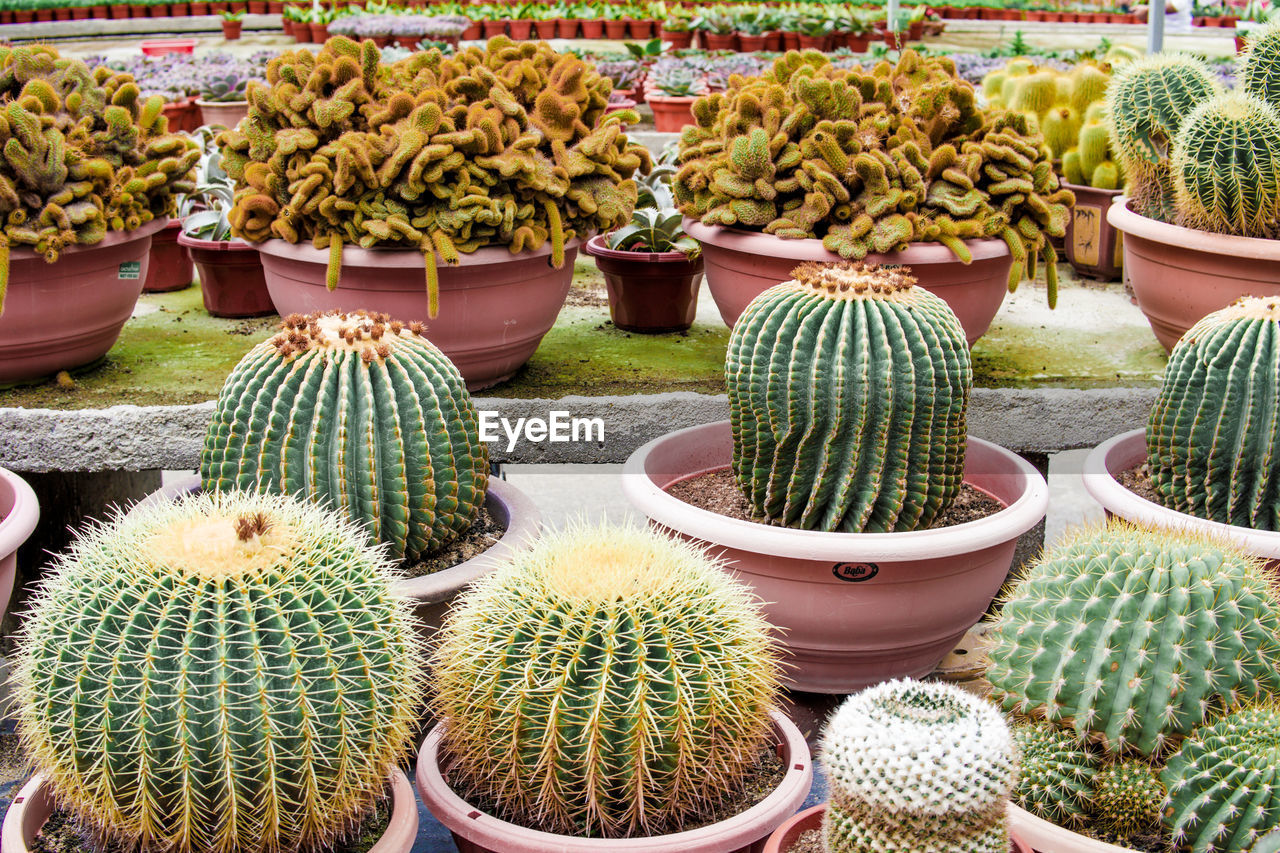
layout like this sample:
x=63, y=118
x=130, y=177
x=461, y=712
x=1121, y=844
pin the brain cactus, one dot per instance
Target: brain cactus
x=810, y=364
x=917, y=766
x=1260, y=66
x=1055, y=779
x=1132, y=637
x=361, y=413
x=1212, y=430
x=609, y=682
x=506, y=145
x=244, y=677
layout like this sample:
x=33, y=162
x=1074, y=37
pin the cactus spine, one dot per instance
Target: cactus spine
x=1260, y=66
x=1055, y=779
x=1127, y=799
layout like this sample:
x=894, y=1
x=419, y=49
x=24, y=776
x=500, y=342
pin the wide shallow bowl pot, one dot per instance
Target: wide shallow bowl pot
x=68, y=313
x=226, y=113
x=1111, y=458
x=649, y=292
x=1180, y=275
x=854, y=609
x=232, y=283
x=19, y=512
x=495, y=307
x=170, y=266
x=34, y=804
x=1045, y=837
x=746, y=832
x=742, y=264
x=785, y=836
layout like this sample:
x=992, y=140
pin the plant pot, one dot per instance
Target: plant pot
x=226, y=113
x=319, y=32
x=199, y=7
x=615, y=29
x=477, y=832
x=545, y=29
x=853, y=609
x=649, y=292
x=275, y=7
x=915, y=31
x=790, y=41
x=257, y=7
x=382, y=41
x=473, y=32
x=493, y=28
x=34, y=804
x=80, y=13
x=785, y=836
x=62, y=13
x=857, y=42
x=136, y=10
x=495, y=307
x=742, y=264
x=813, y=42
x=671, y=114
x=170, y=266
x=566, y=28
x=593, y=29
x=679, y=39
x=118, y=12
x=1045, y=837
x=232, y=283
x=231, y=32
x=44, y=16
x=27, y=16
x=713, y=41
x=68, y=313
x=747, y=43
x=1108, y=460
x=773, y=41
x=1093, y=246
x=1180, y=275
x=19, y=512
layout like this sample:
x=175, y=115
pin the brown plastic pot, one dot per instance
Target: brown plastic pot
x=593, y=29
x=787, y=835
x=649, y=292
x=19, y=512
x=170, y=267
x=1093, y=246
x=773, y=41
x=857, y=42
x=62, y=13
x=715, y=41
x=199, y=7
x=495, y=307
x=65, y=314
x=671, y=113
x=1180, y=275
x=226, y=113
x=1045, y=837
x=319, y=32
x=27, y=16
x=231, y=30
x=46, y=15
x=852, y=609
x=679, y=39
x=232, y=283
x=748, y=43
x=740, y=265
x=477, y=832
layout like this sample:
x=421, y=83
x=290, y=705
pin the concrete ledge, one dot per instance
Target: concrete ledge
x=125, y=27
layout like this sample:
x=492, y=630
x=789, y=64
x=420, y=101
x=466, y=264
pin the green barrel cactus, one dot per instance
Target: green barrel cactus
x=1127, y=799
x=1132, y=637
x=847, y=394
x=362, y=413
x=1213, y=443
x=917, y=766
x=1259, y=72
x=228, y=673
x=606, y=682
x=1055, y=776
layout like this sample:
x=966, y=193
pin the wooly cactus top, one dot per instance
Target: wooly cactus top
x=505, y=145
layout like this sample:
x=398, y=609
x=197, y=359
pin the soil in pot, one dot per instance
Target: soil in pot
x=482, y=535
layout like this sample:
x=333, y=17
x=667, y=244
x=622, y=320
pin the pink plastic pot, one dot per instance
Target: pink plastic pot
x=19, y=512
x=226, y=113
x=741, y=265
x=170, y=267
x=495, y=307
x=671, y=114
x=160, y=47
x=232, y=283
x=62, y=315
x=785, y=836
x=477, y=832
x=1180, y=275
x=1045, y=837
x=853, y=609
x=649, y=292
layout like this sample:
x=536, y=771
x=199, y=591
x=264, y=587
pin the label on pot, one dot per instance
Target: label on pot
x=1086, y=223
x=130, y=271
x=855, y=572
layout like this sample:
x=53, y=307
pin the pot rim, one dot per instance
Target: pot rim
x=401, y=258
x=811, y=248
x=596, y=247
x=1040, y=834
x=737, y=831
x=234, y=245
x=20, y=521
x=671, y=99
x=774, y=844
x=1189, y=239
x=201, y=102
x=1012, y=521
x=113, y=238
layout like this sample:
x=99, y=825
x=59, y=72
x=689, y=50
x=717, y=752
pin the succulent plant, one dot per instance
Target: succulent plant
x=224, y=88
x=1260, y=64
x=809, y=366
x=244, y=677
x=917, y=766
x=1127, y=799
x=653, y=230
x=1056, y=773
x=605, y=682
x=361, y=413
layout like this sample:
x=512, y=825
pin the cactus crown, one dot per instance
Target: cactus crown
x=1259, y=72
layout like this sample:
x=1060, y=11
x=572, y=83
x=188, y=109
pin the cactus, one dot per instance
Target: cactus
x=1055, y=779
x=1212, y=435
x=1127, y=799
x=1133, y=637
x=814, y=444
x=243, y=676
x=361, y=413
x=917, y=766
x=1061, y=126
x=1260, y=66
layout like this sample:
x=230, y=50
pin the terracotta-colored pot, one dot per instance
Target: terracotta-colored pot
x=319, y=32
x=473, y=32
x=857, y=42
x=118, y=12
x=1093, y=245
x=1045, y=837
x=62, y=13
x=170, y=267
x=383, y=40
x=773, y=41
x=1180, y=275
x=232, y=283
x=231, y=32
x=275, y=7
x=545, y=29
x=713, y=41
x=99, y=11
x=257, y=7
x=814, y=42
x=747, y=43
x=915, y=31
x=790, y=41
x=477, y=832
x=19, y=512
x=136, y=10
x=853, y=609
x=679, y=39
x=593, y=29
x=493, y=28
x=46, y=15
x=199, y=7
x=615, y=29
x=158, y=10
x=26, y=16
x=649, y=292
x=80, y=13
x=226, y=113
x=787, y=835
x=34, y=804
x=65, y=314
x=566, y=28
x=495, y=307
x=520, y=30
x=6, y=16
x=741, y=264
x=671, y=114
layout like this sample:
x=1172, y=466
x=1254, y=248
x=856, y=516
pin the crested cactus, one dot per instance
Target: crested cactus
x=1127, y=799
x=361, y=413
x=810, y=365
x=1212, y=439
x=606, y=682
x=1260, y=66
x=917, y=766
x=1055, y=777
x=1133, y=637
x=243, y=676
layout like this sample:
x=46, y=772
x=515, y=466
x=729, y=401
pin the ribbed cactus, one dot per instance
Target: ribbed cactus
x=1127, y=799
x=1132, y=637
x=1213, y=443
x=847, y=394
x=1226, y=167
x=361, y=413
x=606, y=682
x=917, y=766
x=229, y=673
x=1055, y=777
x=1259, y=72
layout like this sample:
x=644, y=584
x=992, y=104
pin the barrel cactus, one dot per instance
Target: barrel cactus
x=1213, y=444
x=1055, y=779
x=243, y=676
x=1127, y=799
x=917, y=766
x=1260, y=66
x=362, y=413
x=606, y=682
x=847, y=394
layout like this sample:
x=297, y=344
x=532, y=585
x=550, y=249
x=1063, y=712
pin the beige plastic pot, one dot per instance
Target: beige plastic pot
x=853, y=609
x=1045, y=837
x=19, y=512
x=785, y=836
x=226, y=113
x=477, y=832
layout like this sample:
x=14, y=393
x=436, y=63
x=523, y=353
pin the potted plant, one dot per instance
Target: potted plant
x=715, y=29
x=222, y=96
x=840, y=527
x=752, y=25
x=19, y=512
x=670, y=91
x=688, y=753
x=676, y=24
x=815, y=29
x=231, y=25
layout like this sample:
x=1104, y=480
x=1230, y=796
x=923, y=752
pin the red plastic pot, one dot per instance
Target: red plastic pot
x=593, y=29
x=567, y=28
x=1093, y=246
x=787, y=835
x=231, y=30
x=679, y=40
x=790, y=41
x=226, y=113
x=275, y=7
x=472, y=32
x=642, y=29
x=814, y=42
x=80, y=13
x=773, y=41
x=170, y=267
x=231, y=277
x=858, y=42
x=671, y=114
x=199, y=7
x=19, y=512
x=748, y=43
x=161, y=47
x=62, y=13
x=158, y=10
x=615, y=29
x=65, y=314
x=649, y=292
x=118, y=12
x=100, y=11
x=137, y=10
x=257, y=7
